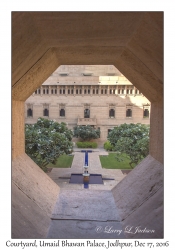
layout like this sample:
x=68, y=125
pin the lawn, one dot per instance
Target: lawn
x=64, y=161
x=111, y=162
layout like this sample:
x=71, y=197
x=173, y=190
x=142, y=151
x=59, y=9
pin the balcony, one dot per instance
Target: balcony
x=87, y=121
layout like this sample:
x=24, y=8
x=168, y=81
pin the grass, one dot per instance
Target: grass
x=110, y=162
x=64, y=161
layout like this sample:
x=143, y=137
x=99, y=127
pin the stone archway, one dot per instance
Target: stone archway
x=131, y=41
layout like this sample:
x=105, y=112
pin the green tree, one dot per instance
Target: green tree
x=46, y=140
x=131, y=139
x=86, y=133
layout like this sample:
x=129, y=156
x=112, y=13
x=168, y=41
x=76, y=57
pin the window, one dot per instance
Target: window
x=62, y=112
x=80, y=91
x=47, y=91
x=87, y=113
x=72, y=91
x=145, y=112
x=111, y=113
x=68, y=91
x=102, y=91
x=45, y=112
x=88, y=91
x=35, y=91
x=44, y=91
x=52, y=91
x=96, y=91
x=109, y=130
x=63, y=91
x=55, y=91
x=129, y=113
x=77, y=91
x=60, y=91
x=39, y=91
x=93, y=91
x=29, y=112
x=85, y=91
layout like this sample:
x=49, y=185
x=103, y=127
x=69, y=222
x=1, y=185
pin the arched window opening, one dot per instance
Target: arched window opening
x=72, y=91
x=47, y=91
x=77, y=91
x=129, y=113
x=93, y=91
x=62, y=112
x=111, y=113
x=68, y=91
x=122, y=91
x=102, y=91
x=55, y=91
x=85, y=91
x=127, y=91
x=44, y=91
x=118, y=91
x=63, y=91
x=52, y=91
x=86, y=113
x=109, y=130
x=88, y=91
x=97, y=91
x=60, y=91
x=35, y=91
x=29, y=112
x=146, y=113
x=80, y=91
x=46, y=112
x=105, y=91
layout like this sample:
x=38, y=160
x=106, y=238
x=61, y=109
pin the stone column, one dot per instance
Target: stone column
x=108, y=90
x=116, y=90
x=41, y=91
x=125, y=89
x=91, y=90
x=66, y=90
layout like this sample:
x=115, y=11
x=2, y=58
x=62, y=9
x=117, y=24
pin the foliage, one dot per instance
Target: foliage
x=132, y=139
x=108, y=146
x=64, y=161
x=86, y=144
x=86, y=133
x=46, y=140
x=110, y=162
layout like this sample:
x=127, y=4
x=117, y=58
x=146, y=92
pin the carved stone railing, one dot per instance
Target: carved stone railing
x=87, y=121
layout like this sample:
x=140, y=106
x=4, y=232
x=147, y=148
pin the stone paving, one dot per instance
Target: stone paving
x=85, y=213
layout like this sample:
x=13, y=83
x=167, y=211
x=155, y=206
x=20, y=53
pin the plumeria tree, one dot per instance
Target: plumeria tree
x=131, y=139
x=46, y=140
x=86, y=133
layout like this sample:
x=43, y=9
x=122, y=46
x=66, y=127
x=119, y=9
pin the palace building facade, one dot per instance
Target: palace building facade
x=96, y=95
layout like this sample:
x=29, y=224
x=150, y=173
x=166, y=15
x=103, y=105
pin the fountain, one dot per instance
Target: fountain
x=85, y=171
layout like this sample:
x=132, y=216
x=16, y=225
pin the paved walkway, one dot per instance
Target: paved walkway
x=85, y=213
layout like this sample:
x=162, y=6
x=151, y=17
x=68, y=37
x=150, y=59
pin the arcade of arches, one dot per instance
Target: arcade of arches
x=133, y=43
